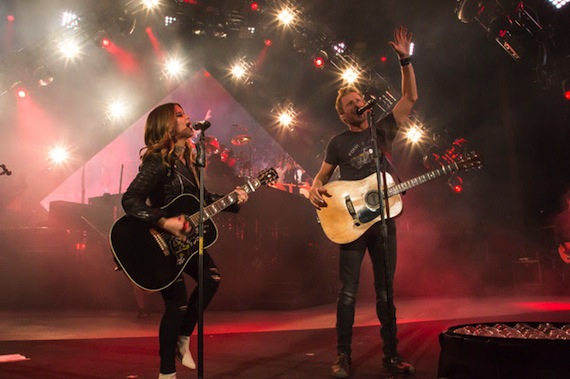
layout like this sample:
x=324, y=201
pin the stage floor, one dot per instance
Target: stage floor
x=294, y=344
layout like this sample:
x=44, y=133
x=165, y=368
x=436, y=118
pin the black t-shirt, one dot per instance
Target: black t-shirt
x=352, y=151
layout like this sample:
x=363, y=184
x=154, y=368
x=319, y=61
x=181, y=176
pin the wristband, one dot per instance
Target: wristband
x=405, y=61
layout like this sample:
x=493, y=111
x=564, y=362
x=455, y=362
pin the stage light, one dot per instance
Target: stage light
x=455, y=183
x=174, y=67
x=286, y=16
x=415, y=134
x=20, y=90
x=69, y=49
x=319, y=62
x=267, y=42
x=69, y=20
x=169, y=20
x=116, y=110
x=102, y=39
x=254, y=6
x=240, y=69
x=383, y=59
x=559, y=3
x=350, y=75
x=10, y=18
x=151, y=4
x=58, y=155
x=339, y=47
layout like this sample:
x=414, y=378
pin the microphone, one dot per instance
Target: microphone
x=5, y=170
x=201, y=125
x=366, y=107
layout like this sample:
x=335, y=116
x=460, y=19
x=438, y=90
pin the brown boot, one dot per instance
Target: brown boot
x=341, y=368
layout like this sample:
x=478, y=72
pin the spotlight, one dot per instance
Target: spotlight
x=319, y=61
x=20, y=90
x=286, y=16
x=101, y=39
x=558, y=3
x=350, y=75
x=339, y=48
x=455, y=183
x=58, y=155
x=254, y=6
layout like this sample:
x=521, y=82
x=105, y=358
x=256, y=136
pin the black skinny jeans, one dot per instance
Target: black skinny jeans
x=350, y=261
x=180, y=312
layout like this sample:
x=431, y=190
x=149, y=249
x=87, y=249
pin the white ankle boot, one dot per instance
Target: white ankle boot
x=167, y=376
x=183, y=353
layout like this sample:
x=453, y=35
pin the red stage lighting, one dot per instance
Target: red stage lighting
x=319, y=62
x=383, y=59
x=10, y=18
x=20, y=90
x=267, y=42
x=105, y=42
x=254, y=6
x=455, y=183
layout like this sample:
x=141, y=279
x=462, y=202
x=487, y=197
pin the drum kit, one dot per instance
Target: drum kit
x=243, y=168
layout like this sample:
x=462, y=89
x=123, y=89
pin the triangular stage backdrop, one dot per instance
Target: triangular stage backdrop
x=112, y=169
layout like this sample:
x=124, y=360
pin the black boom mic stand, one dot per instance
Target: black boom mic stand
x=201, y=163
x=384, y=209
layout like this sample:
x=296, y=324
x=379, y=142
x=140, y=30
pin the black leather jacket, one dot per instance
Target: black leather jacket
x=155, y=186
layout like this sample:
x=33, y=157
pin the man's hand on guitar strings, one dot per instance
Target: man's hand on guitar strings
x=177, y=226
x=316, y=197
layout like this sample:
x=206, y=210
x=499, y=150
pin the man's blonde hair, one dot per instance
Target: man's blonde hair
x=342, y=92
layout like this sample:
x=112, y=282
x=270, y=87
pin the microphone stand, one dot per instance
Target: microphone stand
x=201, y=163
x=384, y=208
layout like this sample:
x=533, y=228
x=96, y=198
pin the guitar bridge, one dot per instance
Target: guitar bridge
x=160, y=242
x=350, y=209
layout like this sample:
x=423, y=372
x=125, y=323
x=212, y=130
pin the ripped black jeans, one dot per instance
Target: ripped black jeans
x=350, y=262
x=180, y=312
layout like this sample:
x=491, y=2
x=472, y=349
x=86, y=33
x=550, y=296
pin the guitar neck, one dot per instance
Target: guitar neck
x=221, y=204
x=431, y=175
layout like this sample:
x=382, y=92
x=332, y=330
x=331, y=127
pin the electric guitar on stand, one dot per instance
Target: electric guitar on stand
x=354, y=204
x=152, y=258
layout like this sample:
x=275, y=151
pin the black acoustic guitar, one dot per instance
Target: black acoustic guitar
x=152, y=258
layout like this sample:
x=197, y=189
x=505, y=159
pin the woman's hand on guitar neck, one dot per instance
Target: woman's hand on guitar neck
x=177, y=226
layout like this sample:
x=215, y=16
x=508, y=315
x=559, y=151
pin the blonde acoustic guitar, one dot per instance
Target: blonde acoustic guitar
x=354, y=204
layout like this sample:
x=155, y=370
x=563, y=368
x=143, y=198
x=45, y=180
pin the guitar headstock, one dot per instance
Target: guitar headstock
x=268, y=176
x=472, y=160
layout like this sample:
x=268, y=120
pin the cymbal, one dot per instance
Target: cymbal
x=241, y=139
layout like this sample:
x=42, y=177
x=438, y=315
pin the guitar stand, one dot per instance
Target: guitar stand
x=384, y=213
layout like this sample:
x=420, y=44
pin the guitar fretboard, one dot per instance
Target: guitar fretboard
x=401, y=187
x=221, y=204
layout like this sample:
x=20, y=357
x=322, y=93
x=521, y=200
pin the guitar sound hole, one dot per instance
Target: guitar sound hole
x=372, y=200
